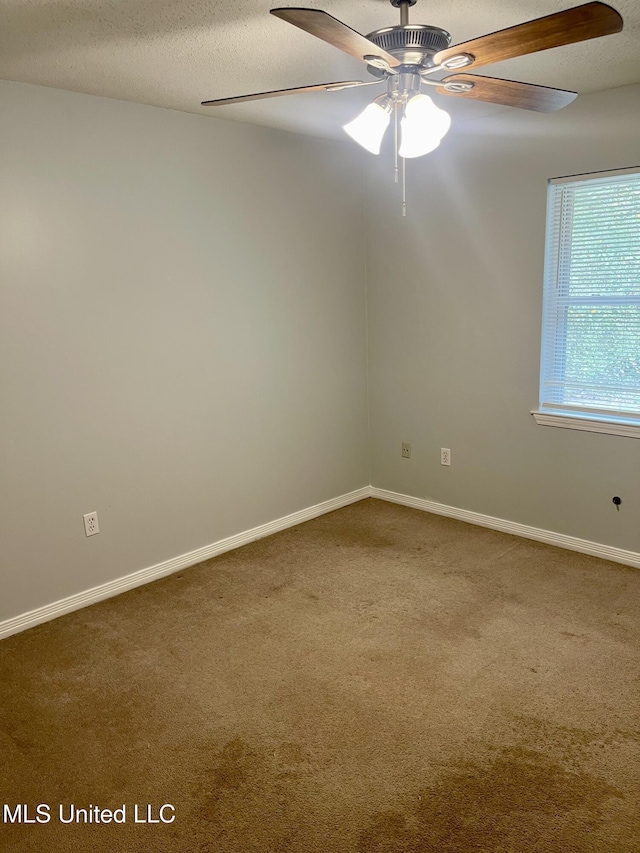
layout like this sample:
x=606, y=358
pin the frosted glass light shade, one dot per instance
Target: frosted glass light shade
x=423, y=126
x=368, y=128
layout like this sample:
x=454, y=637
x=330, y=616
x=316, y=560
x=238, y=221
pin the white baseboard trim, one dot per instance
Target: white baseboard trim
x=143, y=576
x=594, y=549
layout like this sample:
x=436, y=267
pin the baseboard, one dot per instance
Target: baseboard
x=143, y=576
x=594, y=549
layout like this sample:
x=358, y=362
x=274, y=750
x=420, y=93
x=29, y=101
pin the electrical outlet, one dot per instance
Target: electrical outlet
x=91, y=526
x=445, y=456
x=406, y=450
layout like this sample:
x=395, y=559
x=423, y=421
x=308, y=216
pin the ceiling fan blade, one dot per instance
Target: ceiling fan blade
x=573, y=25
x=320, y=87
x=525, y=96
x=330, y=29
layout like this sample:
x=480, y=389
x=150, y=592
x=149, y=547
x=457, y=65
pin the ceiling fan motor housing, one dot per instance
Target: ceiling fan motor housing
x=412, y=44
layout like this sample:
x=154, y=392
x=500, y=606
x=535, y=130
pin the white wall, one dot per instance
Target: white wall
x=455, y=294
x=182, y=334
x=182, y=331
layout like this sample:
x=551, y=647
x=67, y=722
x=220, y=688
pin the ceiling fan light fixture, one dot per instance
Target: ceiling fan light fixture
x=369, y=127
x=423, y=127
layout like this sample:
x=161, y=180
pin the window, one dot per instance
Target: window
x=590, y=366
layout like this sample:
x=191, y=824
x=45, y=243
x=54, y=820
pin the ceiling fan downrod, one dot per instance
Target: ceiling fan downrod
x=403, y=5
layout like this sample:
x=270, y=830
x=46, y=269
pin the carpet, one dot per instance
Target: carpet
x=377, y=680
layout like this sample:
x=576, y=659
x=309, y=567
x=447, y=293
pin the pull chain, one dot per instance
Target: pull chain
x=404, y=187
x=395, y=144
x=404, y=22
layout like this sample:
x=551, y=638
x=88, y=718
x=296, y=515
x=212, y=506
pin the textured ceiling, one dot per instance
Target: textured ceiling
x=176, y=53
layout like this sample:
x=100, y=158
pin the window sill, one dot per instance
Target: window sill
x=587, y=424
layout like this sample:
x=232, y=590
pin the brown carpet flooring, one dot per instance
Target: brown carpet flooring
x=378, y=680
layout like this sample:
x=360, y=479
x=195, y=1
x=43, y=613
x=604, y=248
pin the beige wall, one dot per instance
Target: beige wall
x=454, y=295
x=182, y=334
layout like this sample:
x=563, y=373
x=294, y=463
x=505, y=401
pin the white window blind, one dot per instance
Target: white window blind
x=591, y=316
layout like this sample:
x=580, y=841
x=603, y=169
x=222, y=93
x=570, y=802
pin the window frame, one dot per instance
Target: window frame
x=571, y=415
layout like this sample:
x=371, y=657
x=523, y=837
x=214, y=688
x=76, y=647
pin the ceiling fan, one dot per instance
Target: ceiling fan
x=406, y=56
